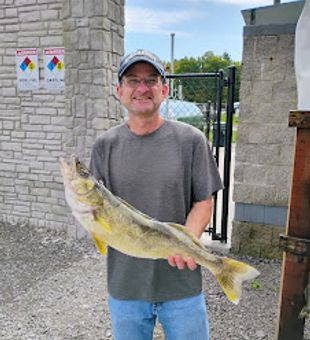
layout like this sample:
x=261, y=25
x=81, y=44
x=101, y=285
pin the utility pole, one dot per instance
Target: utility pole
x=172, y=65
x=296, y=241
x=172, y=52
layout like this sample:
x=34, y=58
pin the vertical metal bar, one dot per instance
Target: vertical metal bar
x=227, y=157
x=218, y=114
x=216, y=138
x=208, y=110
x=214, y=219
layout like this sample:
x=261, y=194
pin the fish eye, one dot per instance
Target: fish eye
x=84, y=173
x=81, y=169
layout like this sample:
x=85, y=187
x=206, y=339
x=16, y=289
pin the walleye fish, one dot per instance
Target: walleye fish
x=112, y=221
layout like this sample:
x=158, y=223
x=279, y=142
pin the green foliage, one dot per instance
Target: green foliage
x=235, y=119
x=197, y=121
x=256, y=284
x=234, y=136
x=204, y=90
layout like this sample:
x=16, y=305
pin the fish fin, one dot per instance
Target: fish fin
x=101, y=246
x=102, y=222
x=129, y=206
x=177, y=226
x=182, y=228
x=231, y=277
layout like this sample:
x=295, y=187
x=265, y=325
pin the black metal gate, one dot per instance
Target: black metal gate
x=210, y=104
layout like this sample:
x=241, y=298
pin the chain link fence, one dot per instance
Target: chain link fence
x=193, y=100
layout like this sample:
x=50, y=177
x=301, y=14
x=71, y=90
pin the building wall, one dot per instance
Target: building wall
x=264, y=152
x=37, y=127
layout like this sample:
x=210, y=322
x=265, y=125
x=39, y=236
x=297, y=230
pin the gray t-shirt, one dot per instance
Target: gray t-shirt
x=162, y=174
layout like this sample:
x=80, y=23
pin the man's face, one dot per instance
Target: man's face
x=141, y=90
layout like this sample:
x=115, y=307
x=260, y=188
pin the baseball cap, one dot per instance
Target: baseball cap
x=138, y=56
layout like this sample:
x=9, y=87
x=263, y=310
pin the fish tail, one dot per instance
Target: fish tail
x=232, y=275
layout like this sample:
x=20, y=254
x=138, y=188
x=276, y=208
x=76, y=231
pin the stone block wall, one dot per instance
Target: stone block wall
x=94, y=43
x=265, y=143
x=37, y=127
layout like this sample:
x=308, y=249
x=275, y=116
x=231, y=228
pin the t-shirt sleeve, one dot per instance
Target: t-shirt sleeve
x=96, y=162
x=206, y=179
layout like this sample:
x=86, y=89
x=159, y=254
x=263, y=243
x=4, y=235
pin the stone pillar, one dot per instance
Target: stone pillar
x=265, y=143
x=93, y=39
x=39, y=126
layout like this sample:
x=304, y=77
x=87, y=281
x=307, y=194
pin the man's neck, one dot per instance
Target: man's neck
x=144, y=125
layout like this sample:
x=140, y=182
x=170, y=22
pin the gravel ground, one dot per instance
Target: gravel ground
x=53, y=288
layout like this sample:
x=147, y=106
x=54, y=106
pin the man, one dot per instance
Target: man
x=166, y=170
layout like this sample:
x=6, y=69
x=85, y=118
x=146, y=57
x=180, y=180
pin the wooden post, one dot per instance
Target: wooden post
x=296, y=259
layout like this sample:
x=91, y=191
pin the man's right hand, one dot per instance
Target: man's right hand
x=180, y=263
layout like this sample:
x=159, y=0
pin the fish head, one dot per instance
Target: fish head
x=80, y=187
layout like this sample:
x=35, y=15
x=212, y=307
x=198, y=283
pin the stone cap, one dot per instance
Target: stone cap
x=278, y=14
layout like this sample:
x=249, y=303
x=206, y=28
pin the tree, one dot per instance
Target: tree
x=202, y=90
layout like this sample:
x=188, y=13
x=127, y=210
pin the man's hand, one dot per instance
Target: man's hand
x=178, y=261
x=197, y=219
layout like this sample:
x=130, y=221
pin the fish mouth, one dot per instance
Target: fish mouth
x=77, y=168
x=72, y=172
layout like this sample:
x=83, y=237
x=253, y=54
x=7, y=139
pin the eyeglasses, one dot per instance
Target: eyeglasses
x=134, y=82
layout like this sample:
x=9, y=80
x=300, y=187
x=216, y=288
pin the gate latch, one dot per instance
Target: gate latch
x=295, y=245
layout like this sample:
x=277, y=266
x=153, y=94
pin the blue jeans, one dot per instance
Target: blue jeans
x=184, y=319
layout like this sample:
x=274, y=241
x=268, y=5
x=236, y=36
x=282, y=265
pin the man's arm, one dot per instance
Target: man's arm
x=197, y=220
x=199, y=217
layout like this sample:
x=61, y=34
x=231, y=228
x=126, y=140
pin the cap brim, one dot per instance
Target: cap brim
x=141, y=59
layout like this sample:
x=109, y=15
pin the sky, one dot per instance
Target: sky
x=199, y=26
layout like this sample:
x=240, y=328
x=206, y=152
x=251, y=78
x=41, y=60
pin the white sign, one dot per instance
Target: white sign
x=54, y=68
x=27, y=68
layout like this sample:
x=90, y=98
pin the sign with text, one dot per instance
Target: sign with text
x=54, y=68
x=27, y=68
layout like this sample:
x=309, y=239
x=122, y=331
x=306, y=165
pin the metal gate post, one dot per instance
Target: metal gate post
x=207, y=118
x=296, y=242
x=219, y=98
x=228, y=140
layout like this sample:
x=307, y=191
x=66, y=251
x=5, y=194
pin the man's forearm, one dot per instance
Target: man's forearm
x=199, y=217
